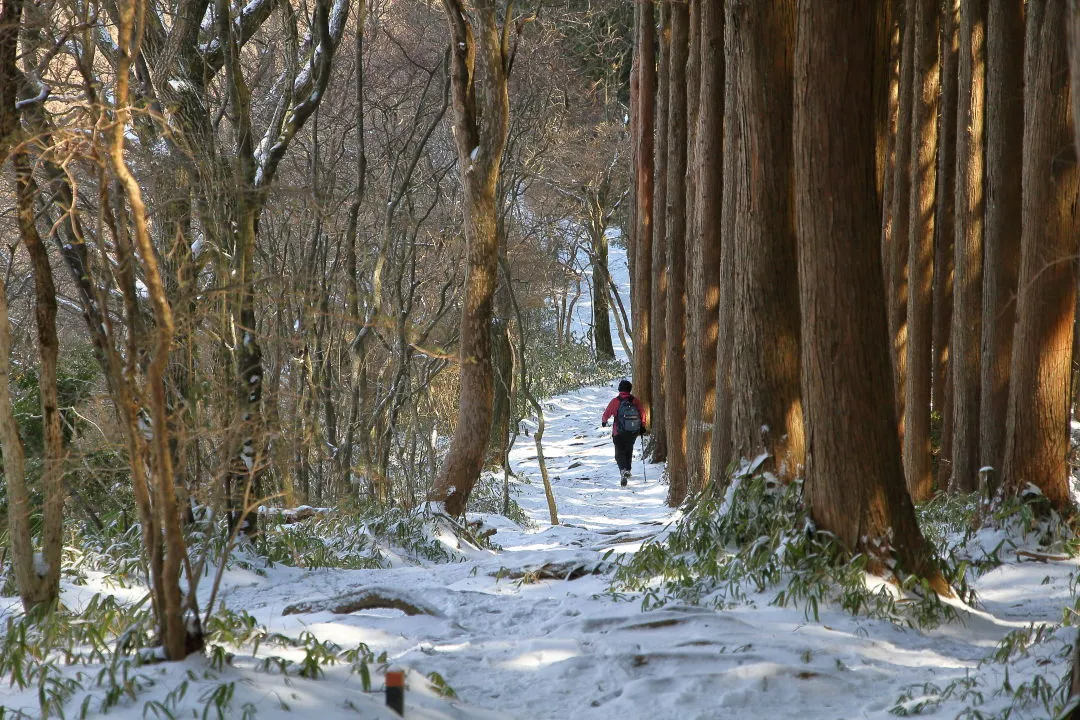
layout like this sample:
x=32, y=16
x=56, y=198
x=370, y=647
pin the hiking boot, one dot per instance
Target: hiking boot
x=625, y=477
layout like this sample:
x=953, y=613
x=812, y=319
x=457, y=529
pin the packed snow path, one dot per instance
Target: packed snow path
x=532, y=631
x=514, y=646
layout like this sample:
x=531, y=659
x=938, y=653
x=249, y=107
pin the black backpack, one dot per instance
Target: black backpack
x=627, y=417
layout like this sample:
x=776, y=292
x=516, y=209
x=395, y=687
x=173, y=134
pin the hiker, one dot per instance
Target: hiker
x=629, y=423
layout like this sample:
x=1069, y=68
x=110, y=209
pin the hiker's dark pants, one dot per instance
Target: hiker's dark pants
x=624, y=449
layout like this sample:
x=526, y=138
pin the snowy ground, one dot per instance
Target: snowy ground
x=520, y=648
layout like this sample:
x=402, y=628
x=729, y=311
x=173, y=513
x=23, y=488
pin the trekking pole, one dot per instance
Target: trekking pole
x=644, y=480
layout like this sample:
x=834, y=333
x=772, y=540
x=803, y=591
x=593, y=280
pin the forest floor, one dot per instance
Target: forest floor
x=513, y=642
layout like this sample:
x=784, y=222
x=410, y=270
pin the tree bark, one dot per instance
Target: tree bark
x=732, y=173
x=643, y=178
x=967, y=294
x=479, y=81
x=766, y=414
x=854, y=477
x=178, y=636
x=898, y=215
x=705, y=258
x=676, y=225
x=1037, y=435
x=941, y=395
x=916, y=437
x=1001, y=261
x=47, y=586
x=32, y=589
x=660, y=270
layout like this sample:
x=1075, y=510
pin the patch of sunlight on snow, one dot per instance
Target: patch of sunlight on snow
x=539, y=546
x=347, y=635
x=538, y=659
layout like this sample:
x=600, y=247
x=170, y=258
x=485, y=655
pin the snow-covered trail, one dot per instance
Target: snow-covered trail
x=558, y=648
x=513, y=644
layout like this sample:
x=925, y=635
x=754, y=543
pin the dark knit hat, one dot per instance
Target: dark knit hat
x=625, y=386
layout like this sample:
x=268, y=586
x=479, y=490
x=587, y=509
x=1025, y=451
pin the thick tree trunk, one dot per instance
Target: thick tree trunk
x=967, y=294
x=916, y=438
x=766, y=413
x=705, y=257
x=676, y=225
x=898, y=215
x=660, y=270
x=479, y=82
x=1037, y=435
x=1001, y=262
x=643, y=179
x=855, y=484
x=941, y=396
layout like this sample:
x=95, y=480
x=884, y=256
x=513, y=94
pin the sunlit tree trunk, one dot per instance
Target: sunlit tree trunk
x=1037, y=434
x=660, y=270
x=178, y=619
x=644, y=103
x=479, y=51
x=766, y=414
x=854, y=477
x=898, y=213
x=705, y=259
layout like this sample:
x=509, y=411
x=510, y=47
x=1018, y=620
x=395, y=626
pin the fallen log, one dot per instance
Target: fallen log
x=367, y=599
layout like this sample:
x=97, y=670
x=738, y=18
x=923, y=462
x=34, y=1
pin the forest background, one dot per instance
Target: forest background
x=277, y=254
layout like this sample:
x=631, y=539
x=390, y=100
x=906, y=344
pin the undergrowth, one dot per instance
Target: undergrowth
x=87, y=661
x=487, y=497
x=757, y=540
x=993, y=690
x=359, y=539
x=556, y=368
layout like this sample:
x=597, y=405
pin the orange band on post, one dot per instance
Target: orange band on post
x=395, y=678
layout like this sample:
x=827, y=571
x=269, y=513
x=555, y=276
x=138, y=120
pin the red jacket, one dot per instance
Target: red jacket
x=613, y=407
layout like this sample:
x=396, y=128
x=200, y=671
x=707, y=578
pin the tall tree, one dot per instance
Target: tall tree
x=967, y=293
x=704, y=258
x=44, y=587
x=676, y=226
x=916, y=437
x=766, y=413
x=1001, y=259
x=854, y=478
x=660, y=271
x=896, y=229
x=643, y=177
x=941, y=396
x=1037, y=433
x=479, y=67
